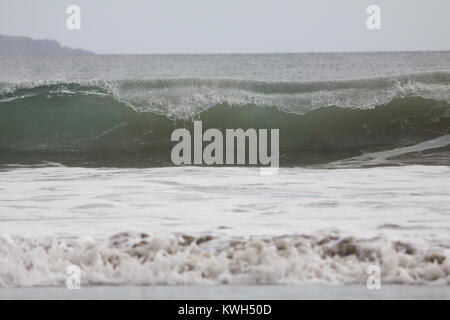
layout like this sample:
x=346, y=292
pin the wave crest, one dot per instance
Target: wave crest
x=184, y=98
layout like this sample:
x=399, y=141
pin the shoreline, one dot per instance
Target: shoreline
x=232, y=292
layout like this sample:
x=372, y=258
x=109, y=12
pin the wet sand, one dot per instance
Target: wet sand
x=231, y=292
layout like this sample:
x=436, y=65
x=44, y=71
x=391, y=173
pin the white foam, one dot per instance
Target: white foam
x=395, y=216
x=128, y=259
x=384, y=157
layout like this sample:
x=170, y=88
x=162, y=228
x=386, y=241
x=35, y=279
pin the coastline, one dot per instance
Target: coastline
x=257, y=292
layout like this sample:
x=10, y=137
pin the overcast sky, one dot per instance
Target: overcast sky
x=224, y=26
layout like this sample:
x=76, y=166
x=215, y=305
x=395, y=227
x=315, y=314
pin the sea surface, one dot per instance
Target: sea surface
x=86, y=176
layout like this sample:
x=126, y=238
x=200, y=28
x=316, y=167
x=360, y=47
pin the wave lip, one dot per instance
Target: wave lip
x=183, y=98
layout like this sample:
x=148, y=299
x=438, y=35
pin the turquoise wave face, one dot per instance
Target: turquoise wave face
x=88, y=125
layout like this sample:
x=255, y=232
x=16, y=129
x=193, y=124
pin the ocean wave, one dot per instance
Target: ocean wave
x=144, y=259
x=130, y=122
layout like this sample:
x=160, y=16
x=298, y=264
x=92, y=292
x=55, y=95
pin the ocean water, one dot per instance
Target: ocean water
x=86, y=176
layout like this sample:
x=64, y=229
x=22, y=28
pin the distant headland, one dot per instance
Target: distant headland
x=26, y=46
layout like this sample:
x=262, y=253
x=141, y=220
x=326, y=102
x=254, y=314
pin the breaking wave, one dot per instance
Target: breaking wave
x=129, y=122
x=143, y=259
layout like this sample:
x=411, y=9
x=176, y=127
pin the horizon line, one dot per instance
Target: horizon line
x=269, y=52
x=227, y=53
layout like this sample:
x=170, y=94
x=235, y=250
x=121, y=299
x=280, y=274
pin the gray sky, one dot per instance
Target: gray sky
x=223, y=26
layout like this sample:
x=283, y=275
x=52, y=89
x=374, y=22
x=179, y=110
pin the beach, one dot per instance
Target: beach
x=230, y=293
